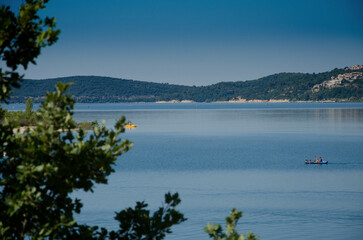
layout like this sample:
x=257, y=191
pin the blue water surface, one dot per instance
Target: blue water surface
x=244, y=156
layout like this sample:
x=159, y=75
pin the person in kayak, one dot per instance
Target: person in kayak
x=319, y=160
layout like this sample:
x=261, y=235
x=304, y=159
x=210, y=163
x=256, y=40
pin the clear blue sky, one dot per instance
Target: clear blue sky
x=200, y=42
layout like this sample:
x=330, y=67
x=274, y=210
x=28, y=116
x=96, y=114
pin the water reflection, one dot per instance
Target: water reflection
x=248, y=156
x=273, y=202
x=237, y=121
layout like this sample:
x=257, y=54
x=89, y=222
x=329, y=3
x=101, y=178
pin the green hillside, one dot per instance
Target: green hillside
x=336, y=85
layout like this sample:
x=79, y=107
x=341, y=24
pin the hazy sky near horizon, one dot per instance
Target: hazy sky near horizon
x=200, y=42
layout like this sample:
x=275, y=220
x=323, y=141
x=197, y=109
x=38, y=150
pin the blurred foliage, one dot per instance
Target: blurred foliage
x=22, y=118
x=87, y=125
x=21, y=38
x=42, y=167
x=138, y=224
x=30, y=118
x=216, y=232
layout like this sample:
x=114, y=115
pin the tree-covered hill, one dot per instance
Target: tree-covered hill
x=281, y=86
x=99, y=89
x=290, y=86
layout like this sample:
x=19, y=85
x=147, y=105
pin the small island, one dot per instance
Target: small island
x=27, y=119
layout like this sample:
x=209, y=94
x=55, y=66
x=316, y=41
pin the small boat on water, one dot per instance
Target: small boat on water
x=315, y=162
x=130, y=126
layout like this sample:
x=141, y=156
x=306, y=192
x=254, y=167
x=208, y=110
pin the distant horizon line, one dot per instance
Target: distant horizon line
x=127, y=79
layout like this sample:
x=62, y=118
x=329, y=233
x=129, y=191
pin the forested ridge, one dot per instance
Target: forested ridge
x=281, y=86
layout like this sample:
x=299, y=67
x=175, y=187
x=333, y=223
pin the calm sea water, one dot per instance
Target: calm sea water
x=244, y=156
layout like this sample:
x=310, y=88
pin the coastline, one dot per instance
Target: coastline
x=21, y=130
x=175, y=101
x=241, y=100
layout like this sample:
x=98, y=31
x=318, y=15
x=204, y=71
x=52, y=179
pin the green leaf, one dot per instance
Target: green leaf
x=39, y=168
